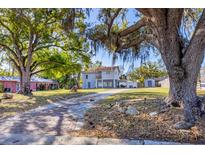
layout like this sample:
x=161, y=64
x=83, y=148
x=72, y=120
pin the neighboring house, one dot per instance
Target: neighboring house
x=101, y=77
x=12, y=84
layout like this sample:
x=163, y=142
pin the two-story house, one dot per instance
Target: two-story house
x=101, y=77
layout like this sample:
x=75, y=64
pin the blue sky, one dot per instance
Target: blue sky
x=103, y=55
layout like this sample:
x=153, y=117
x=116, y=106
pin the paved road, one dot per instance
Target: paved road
x=55, y=119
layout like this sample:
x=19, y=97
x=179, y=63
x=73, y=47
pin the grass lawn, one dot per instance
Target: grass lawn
x=21, y=103
x=106, y=121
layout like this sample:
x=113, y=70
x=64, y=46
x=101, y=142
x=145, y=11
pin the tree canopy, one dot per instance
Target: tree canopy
x=37, y=38
x=146, y=71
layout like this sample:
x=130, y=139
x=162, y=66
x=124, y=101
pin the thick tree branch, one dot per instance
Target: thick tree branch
x=175, y=18
x=15, y=63
x=145, y=12
x=112, y=20
x=35, y=64
x=146, y=38
x=6, y=47
x=133, y=28
x=36, y=72
x=46, y=46
x=5, y=26
x=197, y=44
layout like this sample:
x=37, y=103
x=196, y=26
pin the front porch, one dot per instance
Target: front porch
x=107, y=83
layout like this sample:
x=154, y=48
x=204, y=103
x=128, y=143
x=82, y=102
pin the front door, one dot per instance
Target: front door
x=89, y=85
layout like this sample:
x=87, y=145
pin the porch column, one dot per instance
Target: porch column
x=102, y=83
x=96, y=83
x=114, y=85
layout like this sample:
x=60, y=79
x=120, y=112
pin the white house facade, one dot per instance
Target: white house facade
x=101, y=77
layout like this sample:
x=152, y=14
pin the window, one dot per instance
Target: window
x=86, y=76
x=108, y=72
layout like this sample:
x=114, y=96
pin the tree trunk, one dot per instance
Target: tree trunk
x=182, y=92
x=25, y=83
x=173, y=98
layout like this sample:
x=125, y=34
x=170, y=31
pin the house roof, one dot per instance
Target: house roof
x=33, y=79
x=160, y=78
x=102, y=68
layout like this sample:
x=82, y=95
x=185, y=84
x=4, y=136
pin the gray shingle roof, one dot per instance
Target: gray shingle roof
x=17, y=79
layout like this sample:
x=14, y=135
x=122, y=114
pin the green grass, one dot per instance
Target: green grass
x=21, y=103
x=142, y=93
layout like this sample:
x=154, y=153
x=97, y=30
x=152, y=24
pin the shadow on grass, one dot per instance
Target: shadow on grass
x=11, y=107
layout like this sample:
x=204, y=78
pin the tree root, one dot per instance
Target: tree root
x=172, y=102
x=199, y=112
x=183, y=125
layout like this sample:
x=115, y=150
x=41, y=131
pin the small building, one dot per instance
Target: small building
x=12, y=84
x=156, y=82
x=149, y=83
x=101, y=77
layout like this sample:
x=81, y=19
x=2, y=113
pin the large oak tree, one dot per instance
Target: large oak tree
x=162, y=29
x=25, y=34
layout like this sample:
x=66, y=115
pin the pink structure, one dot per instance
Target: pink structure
x=9, y=84
x=12, y=84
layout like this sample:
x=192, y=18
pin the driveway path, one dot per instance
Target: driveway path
x=55, y=119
